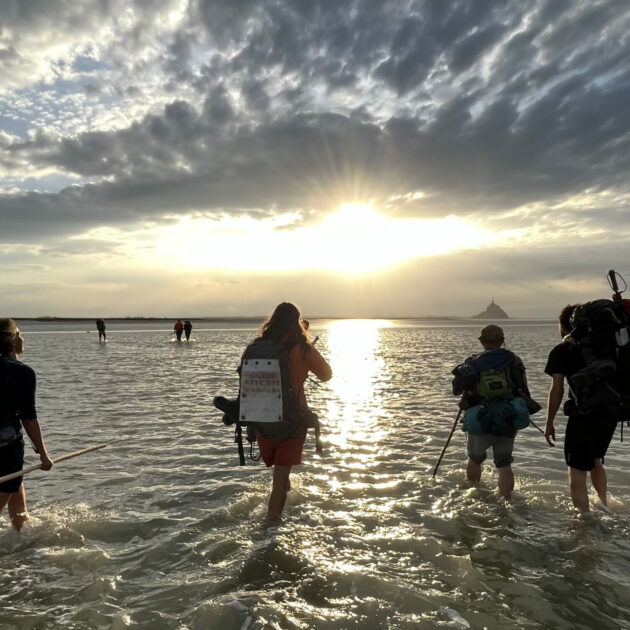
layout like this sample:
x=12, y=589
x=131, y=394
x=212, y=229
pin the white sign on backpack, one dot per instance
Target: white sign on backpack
x=261, y=391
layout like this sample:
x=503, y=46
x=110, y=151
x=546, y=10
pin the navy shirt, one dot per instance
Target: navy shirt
x=19, y=404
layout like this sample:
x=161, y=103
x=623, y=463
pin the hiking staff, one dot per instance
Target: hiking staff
x=25, y=471
x=459, y=413
x=536, y=427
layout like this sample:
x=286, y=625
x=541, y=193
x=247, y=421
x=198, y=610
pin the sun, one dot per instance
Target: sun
x=356, y=239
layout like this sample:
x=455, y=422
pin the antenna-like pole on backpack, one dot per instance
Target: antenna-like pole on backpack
x=612, y=281
x=459, y=413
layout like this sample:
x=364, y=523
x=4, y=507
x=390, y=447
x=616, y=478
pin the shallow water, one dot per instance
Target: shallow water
x=164, y=529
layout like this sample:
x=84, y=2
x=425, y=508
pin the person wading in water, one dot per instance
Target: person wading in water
x=493, y=389
x=285, y=327
x=178, y=328
x=588, y=431
x=17, y=410
x=100, y=326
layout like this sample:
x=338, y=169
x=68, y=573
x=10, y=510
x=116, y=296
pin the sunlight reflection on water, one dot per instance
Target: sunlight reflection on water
x=356, y=354
x=163, y=530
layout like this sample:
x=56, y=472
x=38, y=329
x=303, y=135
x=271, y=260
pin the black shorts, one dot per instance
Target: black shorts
x=11, y=460
x=586, y=439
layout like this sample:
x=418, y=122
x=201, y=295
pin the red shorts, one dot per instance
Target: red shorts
x=281, y=452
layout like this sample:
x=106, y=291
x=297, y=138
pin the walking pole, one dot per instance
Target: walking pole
x=30, y=469
x=459, y=413
x=536, y=426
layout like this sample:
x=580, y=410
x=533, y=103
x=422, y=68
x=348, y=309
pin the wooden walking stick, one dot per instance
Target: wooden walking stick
x=30, y=469
x=459, y=413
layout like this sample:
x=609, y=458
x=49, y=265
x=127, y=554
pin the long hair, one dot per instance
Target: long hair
x=285, y=326
x=8, y=329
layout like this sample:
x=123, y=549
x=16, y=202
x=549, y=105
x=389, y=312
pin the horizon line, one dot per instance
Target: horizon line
x=50, y=318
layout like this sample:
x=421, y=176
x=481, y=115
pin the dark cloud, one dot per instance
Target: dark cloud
x=304, y=105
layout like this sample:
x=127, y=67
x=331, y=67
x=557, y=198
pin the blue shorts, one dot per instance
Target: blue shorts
x=477, y=446
x=11, y=460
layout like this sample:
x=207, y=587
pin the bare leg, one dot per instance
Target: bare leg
x=4, y=499
x=17, y=506
x=506, y=482
x=279, y=491
x=473, y=470
x=579, y=493
x=600, y=481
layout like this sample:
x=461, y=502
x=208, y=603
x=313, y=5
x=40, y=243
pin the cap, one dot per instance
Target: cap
x=492, y=332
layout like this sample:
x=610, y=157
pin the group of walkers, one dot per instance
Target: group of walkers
x=182, y=327
x=494, y=394
x=497, y=402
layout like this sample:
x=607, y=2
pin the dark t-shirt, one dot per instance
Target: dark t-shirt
x=20, y=403
x=566, y=359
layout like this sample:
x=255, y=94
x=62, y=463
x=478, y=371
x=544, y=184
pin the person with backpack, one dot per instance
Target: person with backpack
x=17, y=410
x=589, y=430
x=497, y=404
x=281, y=443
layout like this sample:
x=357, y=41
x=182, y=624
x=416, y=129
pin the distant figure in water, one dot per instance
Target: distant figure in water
x=17, y=402
x=187, y=329
x=100, y=326
x=286, y=327
x=490, y=383
x=178, y=328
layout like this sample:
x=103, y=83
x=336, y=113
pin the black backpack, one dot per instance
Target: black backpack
x=595, y=326
x=600, y=330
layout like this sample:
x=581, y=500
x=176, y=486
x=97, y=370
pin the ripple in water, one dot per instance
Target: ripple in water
x=164, y=530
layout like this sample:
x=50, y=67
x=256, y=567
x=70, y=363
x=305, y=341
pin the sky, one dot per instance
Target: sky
x=186, y=158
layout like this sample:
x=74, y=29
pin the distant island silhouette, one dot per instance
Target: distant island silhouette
x=493, y=311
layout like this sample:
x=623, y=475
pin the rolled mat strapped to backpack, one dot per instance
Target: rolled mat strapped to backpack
x=497, y=417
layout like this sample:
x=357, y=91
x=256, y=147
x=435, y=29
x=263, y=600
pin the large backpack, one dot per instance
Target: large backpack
x=499, y=392
x=267, y=399
x=600, y=329
x=9, y=425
